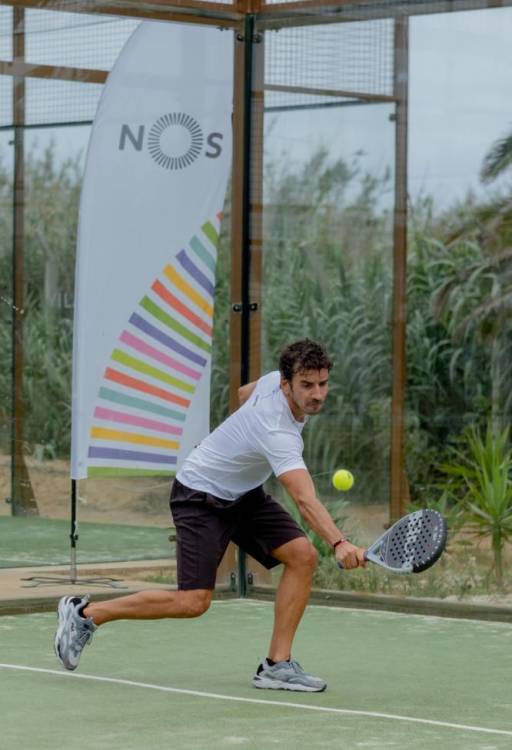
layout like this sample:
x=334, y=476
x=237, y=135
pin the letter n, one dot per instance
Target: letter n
x=135, y=140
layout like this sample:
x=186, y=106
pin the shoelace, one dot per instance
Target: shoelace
x=83, y=636
x=296, y=667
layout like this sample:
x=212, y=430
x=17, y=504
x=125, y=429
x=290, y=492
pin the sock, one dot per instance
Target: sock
x=271, y=663
x=80, y=610
x=261, y=666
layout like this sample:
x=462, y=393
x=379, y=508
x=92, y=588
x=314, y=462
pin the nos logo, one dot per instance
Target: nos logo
x=174, y=141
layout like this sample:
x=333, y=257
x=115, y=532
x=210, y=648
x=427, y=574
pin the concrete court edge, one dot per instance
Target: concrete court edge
x=347, y=599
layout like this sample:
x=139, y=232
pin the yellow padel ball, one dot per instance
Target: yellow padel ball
x=342, y=480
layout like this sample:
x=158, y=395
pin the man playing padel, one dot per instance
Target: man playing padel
x=217, y=497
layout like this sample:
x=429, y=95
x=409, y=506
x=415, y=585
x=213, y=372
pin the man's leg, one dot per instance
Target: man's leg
x=299, y=558
x=280, y=671
x=270, y=534
x=78, y=620
x=200, y=536
x=150, y=605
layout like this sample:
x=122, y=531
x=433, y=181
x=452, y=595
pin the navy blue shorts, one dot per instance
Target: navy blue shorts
x=205, y=525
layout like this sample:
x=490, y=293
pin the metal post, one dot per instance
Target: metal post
x=245, y=325
x=235, y=322
x=401, y=74
x=246, y=240
x=246, y=201
x=257, y=104
x=73, y=535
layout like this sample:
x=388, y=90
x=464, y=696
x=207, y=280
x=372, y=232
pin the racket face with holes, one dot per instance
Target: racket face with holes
x=412, y=544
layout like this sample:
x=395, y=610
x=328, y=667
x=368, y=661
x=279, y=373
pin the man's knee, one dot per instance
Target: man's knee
x=310, y=556
x=300, y=553
x=195, y=602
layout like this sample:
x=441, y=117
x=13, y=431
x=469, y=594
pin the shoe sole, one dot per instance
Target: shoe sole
x=64, y=612
x=295, y=687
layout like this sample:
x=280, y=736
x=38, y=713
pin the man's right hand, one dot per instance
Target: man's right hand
x=350, y=556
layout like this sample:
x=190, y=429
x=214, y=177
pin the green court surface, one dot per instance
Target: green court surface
x=45, y=541
x=394, y=681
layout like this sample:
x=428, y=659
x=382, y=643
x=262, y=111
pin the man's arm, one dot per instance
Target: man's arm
x=245, y=392
x=300, y=487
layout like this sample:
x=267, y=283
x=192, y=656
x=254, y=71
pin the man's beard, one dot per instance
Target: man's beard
x=311, y=406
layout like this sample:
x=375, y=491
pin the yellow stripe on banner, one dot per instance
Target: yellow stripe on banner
x=101, y=433
x=175, y=278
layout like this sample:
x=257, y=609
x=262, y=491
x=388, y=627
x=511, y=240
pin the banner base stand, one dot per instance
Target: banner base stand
x=73, y=579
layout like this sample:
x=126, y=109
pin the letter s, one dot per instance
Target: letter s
x=212, y=142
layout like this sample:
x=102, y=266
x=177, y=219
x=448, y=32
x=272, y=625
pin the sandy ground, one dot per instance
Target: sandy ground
x=130, y=501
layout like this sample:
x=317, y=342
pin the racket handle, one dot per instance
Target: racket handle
x=340, y=566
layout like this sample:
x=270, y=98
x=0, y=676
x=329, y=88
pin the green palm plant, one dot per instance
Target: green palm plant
x=448, y=379
x=476, y=299
x=481, y=481
x=498, y=159
x=475, y=303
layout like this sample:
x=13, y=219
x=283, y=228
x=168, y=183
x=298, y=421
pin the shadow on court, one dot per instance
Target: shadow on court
x=394, y=681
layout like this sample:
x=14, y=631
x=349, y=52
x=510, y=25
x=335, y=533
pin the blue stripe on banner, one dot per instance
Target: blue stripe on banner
x=156, y=458
x=194, y=271
x=143, y=325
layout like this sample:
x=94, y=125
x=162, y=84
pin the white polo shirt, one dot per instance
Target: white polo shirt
x=260, y=438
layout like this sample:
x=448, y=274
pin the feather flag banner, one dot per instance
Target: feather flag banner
x=154, y=188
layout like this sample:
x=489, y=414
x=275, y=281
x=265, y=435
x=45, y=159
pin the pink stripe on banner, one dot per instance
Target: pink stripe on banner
x=151, y=424
x=141, y=346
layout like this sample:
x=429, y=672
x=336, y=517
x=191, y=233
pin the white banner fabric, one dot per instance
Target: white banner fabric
x=154, y=188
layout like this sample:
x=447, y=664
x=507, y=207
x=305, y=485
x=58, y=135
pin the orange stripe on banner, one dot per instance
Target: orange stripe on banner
x=180, y=283
x=102, y=433
x=177, y=305
x=140, y=385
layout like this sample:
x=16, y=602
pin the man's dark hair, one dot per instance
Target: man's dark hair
x=303, y=355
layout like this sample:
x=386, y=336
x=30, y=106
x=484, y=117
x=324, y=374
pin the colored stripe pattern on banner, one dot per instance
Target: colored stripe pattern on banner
x=153, y=372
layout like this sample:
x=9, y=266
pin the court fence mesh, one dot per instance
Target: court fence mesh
x=334, y=59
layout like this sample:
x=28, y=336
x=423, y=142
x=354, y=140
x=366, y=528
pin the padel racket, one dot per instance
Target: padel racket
x=412, y=544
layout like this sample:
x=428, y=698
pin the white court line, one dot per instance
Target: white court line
x=257, y=701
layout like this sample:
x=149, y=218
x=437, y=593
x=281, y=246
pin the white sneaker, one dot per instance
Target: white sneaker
x=73, y=631
x=287, y=675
